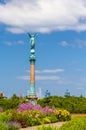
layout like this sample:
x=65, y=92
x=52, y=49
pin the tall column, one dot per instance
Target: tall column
x=32, y=95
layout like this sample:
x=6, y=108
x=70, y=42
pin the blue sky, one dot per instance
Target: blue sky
x=60, y=46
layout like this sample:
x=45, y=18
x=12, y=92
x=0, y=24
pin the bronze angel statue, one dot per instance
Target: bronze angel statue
x=32, y=39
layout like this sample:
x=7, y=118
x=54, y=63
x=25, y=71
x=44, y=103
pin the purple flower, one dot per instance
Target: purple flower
x=13, y=125
x=29, y=106
x=25, y=106
x=37, y=107
x=45, y=110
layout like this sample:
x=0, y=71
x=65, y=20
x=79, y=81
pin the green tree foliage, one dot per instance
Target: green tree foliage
x=10, y=103
x=71, y=103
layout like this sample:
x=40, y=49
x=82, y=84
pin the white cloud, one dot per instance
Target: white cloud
x=80, y=43
x=47, y=78
x=40, y=77
x=79, y=70
x=43, y=16
x=64, y=44
x=14, y=43
x=21, y=42
x=9, y=43
x=77, y=43
x=47, y=71
x=50, y=71
x=15, y=29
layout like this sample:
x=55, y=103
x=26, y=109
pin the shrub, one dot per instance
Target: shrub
x=13, y=125
x=1, y=109
x=16, y=117
x=28, y=118
x=4, y=117
x=46, y=120
x=20, y=117
x=52, y=117
x=34, y=117
x=3, y=126
x=63, y=115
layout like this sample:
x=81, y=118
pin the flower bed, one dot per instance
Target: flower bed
x=29, y=115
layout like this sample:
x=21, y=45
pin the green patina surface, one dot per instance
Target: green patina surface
x=32, y=89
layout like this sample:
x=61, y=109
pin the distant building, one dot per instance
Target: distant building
x=67, y=93
x=1, y=94
x=47, y=93
x=39, y=93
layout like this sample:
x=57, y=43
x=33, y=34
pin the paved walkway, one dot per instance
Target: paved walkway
x=58, y=124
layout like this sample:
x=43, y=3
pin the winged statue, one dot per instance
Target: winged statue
x=32, y=39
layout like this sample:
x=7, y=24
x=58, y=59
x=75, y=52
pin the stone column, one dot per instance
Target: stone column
x=32, y=95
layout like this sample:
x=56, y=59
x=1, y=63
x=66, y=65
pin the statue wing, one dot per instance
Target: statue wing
x=35, y=35
x=29, y=35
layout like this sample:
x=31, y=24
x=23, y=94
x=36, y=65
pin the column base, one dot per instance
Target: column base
x=32, y=97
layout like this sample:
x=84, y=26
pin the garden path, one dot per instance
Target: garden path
x=58, y=124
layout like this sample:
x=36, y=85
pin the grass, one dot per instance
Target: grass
x=78, y=122
x=47, y=128
x=77, y=115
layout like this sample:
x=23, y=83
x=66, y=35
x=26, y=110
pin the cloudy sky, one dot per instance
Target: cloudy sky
x=60, y=46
